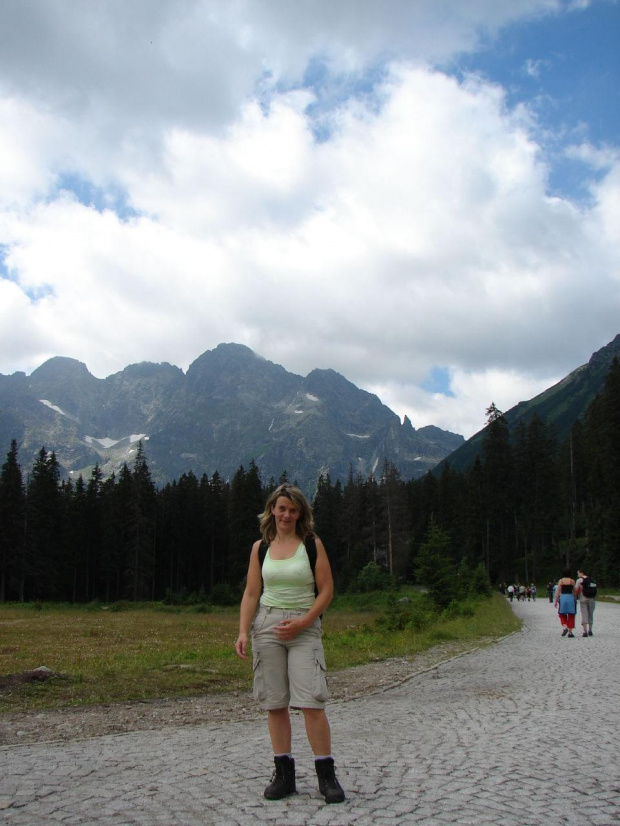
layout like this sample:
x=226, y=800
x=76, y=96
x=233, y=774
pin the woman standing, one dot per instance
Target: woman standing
x=290, y=581
x=566, y=602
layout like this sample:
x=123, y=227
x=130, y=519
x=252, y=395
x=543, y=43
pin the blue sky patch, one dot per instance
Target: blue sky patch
x=565, y=68
x=4, y=270
x=96, y=197
x=439, y=382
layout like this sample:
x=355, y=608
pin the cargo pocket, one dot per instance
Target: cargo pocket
x=321, y=691
x=260, y=691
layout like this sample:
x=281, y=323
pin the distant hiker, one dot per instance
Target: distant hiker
x=290, y=583
x=585, y=591
x=566, y=603
x=533, y=591
x=550, y=593
x=511, y=592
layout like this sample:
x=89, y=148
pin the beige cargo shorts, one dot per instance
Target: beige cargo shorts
x=287, y=673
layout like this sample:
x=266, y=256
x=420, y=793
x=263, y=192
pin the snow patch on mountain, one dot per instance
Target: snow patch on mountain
x=57, y=409
x=105, y=442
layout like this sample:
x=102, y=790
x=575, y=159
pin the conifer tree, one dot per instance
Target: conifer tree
x=603, y=443
x=536, y=494
x=244, y=505
x=572, y=473
x=215, y=502
x=327, y=508
x=499, y=500
x=76, y=570
x=92, y=538
x=394, y=522
x=12, y=504
x=474, y=517
x=140, y=560
x=43, y=530
x=435, y=568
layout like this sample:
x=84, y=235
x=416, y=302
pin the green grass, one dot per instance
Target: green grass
x=106, y=655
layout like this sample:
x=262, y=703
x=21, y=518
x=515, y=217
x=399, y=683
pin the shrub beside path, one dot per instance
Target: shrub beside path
x=526, y=731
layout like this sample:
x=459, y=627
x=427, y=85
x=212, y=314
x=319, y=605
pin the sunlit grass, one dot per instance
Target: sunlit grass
x=142, y=653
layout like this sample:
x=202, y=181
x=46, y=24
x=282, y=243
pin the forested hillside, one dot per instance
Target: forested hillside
x=528, y=505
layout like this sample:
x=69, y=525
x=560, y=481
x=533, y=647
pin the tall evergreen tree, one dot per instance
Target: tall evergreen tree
x=536, y=494
x=12, y=505
x=394, y=521
x=435, y=567
x=603, y=442
x=140, y=579
x=475, y=545
x=91, y=552
x=246, y=502
x=43, y=531
x=76, y=568
x=572, y=473
x=215, y=502
x=499, y=499
x=327, y=508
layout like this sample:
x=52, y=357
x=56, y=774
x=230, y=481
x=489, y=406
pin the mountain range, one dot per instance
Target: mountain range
x=230, y=408
x=233, y=407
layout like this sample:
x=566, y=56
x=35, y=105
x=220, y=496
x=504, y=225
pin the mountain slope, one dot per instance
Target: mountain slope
x=559, y=406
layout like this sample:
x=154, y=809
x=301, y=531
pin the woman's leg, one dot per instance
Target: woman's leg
x=318, y=731
x=279, y=723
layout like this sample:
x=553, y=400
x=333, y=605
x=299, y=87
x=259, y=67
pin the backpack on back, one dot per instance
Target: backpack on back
x=588, y=587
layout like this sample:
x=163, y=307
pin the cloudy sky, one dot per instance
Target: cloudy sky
x=423, y=195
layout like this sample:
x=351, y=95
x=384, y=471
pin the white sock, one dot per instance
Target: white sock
x=322, y=756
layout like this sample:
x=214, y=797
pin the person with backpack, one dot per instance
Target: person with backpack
x=585, y=591
x=289, y=586
x=566, y=603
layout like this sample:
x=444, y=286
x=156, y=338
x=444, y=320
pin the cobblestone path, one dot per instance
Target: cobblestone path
x=526, y=731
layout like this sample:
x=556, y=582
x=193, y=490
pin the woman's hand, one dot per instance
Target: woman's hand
x=241, y=646
x=289, y=628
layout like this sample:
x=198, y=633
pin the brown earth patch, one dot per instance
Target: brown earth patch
x=76, y=723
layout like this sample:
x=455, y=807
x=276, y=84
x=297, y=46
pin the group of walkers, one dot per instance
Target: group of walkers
x=520, y=592
x=566, y=594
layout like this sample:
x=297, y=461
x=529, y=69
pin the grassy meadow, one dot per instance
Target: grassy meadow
x=107, y=654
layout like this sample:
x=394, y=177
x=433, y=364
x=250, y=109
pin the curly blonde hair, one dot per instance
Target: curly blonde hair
x=305, y=524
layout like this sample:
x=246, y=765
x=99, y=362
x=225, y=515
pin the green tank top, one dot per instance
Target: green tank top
x=288, y=583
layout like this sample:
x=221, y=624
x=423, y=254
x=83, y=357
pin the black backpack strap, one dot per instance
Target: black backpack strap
x=310, y=543
x=262, y=553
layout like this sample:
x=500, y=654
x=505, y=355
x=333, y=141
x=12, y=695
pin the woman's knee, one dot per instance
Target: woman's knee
x=278, y=712
x=314, y=714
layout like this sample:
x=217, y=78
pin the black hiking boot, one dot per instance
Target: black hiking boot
x=283, y=779
x=329, y=786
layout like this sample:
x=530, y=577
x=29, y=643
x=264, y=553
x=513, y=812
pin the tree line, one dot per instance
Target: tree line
x=528, y=506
